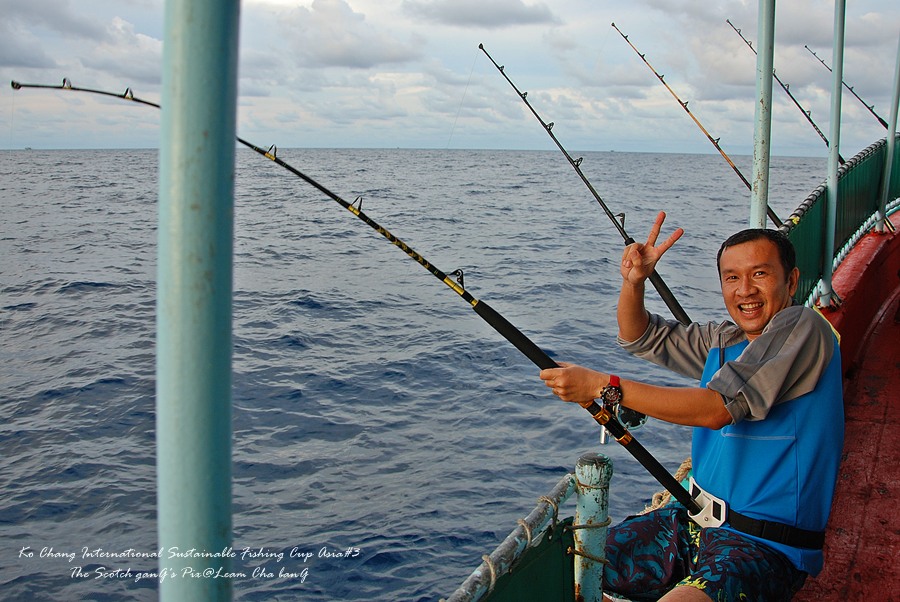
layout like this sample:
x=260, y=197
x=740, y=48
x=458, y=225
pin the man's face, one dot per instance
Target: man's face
x=754, y=284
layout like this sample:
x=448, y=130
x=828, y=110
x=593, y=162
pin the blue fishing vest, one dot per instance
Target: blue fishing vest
x=783, y=468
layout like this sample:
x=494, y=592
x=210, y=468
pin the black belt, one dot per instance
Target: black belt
x=777, y=532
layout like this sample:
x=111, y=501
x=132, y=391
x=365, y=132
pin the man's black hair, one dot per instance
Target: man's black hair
x=785, y=247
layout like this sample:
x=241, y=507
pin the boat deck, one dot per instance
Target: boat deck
x=862, y=547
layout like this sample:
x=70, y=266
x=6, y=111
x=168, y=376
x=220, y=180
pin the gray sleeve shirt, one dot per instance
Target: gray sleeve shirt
x=784, y=362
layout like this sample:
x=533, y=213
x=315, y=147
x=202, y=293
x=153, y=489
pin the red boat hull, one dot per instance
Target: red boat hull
x=862, y=547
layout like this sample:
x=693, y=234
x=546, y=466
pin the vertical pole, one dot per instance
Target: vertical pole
x=762, y=133
x=592, y=474
x=194, y=295
x=827, y=298
x=889, y=154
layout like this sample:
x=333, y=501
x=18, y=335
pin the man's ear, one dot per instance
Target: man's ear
x=793, y=281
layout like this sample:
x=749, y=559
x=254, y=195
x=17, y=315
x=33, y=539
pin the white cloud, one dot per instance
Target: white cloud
x=477, y=13
x=126, y=54
x=331, y=34
x=408, y=72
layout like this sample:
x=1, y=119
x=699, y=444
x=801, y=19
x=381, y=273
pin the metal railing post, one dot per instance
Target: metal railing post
x=827, y=297
x=592, y=473
x=194, y=297
x=762, y=132
x=891, y=144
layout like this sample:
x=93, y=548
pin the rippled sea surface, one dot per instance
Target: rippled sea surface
x=373, y=409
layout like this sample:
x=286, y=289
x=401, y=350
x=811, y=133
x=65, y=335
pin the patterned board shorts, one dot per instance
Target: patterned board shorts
x=655, y=552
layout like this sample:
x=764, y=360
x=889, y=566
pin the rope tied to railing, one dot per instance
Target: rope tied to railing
x=555, y=507
x=521, y=522
x=490, y=565
x=572, y=551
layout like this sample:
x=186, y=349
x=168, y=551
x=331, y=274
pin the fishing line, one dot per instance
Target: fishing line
x=12, y=119
x=852, y=91
x=714, y=141
x=655, y=279
x=600, y=413
x=461, y=100
x=787, y=90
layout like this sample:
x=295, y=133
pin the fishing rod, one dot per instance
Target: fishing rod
x=852, y=91
x=67, y=85
x=714, y=141
x=655, y=279
x=787, y=91
x=602, y=414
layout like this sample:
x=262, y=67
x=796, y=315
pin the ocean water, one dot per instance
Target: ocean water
x=374, y=411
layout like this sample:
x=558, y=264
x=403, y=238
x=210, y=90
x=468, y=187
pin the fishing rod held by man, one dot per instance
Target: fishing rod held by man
x=767, y=420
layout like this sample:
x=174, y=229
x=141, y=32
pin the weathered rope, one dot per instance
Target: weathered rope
x=490, y=565
x=555, y=507
x=521, y=522
x=572, y=550
x=661, y=498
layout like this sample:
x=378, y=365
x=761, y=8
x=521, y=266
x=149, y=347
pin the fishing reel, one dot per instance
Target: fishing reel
x=627, y=417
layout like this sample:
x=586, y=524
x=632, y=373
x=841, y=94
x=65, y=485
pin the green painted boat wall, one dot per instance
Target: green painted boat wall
x=859, y=194
x=546, y=572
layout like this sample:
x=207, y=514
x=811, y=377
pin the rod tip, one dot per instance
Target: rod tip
x=15, y=85
x=481, y=47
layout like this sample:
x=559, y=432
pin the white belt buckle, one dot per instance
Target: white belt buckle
x=713, y=511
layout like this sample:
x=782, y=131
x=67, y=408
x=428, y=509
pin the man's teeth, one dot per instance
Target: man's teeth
x=750, y=306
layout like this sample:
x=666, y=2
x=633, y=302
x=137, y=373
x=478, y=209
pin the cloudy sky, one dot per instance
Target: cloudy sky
x=408, y=73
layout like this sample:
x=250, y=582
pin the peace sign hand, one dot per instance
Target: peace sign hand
x=639, y=260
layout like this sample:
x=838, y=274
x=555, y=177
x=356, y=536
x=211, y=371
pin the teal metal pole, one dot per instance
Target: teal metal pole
x=762, y=132
x=828, y=298
x=889, y=155
x=593, y=473
x=194, y=294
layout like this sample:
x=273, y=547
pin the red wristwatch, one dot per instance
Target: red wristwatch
x=612, y=393
x=612, y=397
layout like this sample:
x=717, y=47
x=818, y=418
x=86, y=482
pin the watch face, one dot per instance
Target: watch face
x=612, y=395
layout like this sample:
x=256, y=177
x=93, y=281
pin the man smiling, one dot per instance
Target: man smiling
x=767, y=436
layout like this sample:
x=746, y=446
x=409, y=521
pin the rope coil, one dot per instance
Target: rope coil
x=490, y=564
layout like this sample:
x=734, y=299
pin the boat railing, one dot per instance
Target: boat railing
x=860, y=182
x=535, y=561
